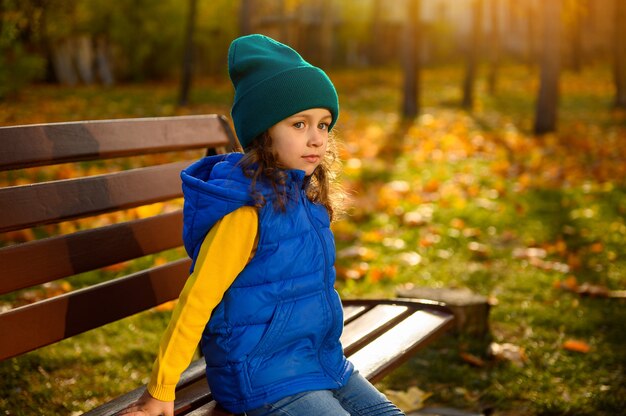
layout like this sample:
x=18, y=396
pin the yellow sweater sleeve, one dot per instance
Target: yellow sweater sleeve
x=224, y=253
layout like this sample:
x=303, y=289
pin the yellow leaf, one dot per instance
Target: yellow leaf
x=375, y=236
x=146, y=211
x=411, y=399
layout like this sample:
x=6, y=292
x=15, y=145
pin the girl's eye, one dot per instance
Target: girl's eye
x=322, y=126
x=299, y=124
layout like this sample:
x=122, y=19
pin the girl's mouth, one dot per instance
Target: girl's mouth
x=311, y=158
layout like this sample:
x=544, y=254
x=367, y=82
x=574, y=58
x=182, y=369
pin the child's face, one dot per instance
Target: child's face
x=300, y=140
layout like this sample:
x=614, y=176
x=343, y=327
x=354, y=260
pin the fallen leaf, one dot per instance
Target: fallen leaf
x=387, y=272
x=117, y=267
x=432, y=186
x=478, y=250
x=160, y=261
x=597, y=247
x=395, y=243
x=344, y=230
x=528, y=253
x=457, y=223
x=409, y=400
x=18, y=236
x=508, y=352
x=357, y=252
x=587, y=289
x=471, y=232
x=569, y=283
x=146, y=211
x=401, y=187
x=472, y=359
x=354, y=272
x=410, y=258
x=414, y=219
x=372, y=236
x=576, y=345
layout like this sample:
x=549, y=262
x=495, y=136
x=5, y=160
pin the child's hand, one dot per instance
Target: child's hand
x=147, y=405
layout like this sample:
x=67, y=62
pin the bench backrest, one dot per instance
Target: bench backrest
x=57, y=206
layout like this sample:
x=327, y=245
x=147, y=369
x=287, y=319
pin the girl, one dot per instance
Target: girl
x=260, y=297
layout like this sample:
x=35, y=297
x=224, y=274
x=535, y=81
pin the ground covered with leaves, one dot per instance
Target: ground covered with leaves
x=453, y=199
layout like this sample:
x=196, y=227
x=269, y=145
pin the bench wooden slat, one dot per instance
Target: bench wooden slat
x=192, y=396
x=42, y=261
x=369, y=325
x=351, y=312
x=394, y=347
x=193, y=374
x=209, y=409
x=45, y=203
x=42, y=323
x=43, y=144
x=116, y=404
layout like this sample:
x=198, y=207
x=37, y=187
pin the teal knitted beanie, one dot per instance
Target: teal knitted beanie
x=272, y=82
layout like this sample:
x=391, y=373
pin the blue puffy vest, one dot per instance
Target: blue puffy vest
x=276, y=331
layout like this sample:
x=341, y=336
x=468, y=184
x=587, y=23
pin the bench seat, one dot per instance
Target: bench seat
x=379, y=336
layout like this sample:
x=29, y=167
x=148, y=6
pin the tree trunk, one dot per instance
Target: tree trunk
x=376, y=34
x=494, y=56
x=245, y=17
x=185, y=84
x=576, y=58
x=85, y=58
x=284, y=22
x=531, y=56
x=411, y=62
x=547, y=103
x=620, y=54
x=62, y=52
x=103, y=66
x=326, y=35
x=472, y=54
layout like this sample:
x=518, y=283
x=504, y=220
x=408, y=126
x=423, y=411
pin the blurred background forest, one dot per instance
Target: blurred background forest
x=85, y=42
x=484, y=148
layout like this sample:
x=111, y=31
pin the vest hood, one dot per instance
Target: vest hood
x=213, y=187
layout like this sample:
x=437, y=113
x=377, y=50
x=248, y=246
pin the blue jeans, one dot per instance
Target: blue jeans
x=357, y=398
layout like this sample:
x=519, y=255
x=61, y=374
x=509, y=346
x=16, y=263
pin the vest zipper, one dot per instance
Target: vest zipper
x=307, y=209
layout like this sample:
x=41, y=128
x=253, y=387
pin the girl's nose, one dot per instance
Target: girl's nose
x=316, y=138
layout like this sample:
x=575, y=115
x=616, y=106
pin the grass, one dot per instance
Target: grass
x=448, y=200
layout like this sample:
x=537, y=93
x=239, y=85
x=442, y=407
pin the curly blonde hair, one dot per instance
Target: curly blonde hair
x=261, y=163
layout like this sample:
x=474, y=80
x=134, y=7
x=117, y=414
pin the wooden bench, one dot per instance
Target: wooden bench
x=379, y=334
